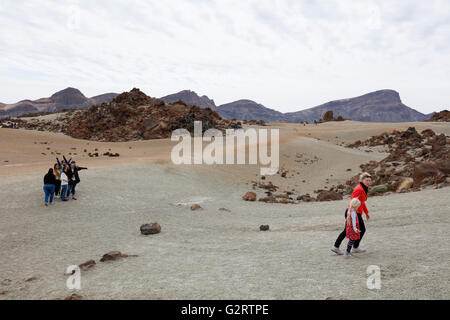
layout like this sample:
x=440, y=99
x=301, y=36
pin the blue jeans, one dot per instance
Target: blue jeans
x=49, y=190
x=64, y=192
x=69, y=189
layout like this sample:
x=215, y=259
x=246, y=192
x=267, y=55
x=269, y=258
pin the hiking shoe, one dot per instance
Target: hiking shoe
x=358, y=250
x=337, y=251
x=348, y=256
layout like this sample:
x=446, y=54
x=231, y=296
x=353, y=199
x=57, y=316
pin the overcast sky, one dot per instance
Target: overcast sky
x=287, y=55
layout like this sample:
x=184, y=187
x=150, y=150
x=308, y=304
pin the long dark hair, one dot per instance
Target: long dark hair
x=50, y=171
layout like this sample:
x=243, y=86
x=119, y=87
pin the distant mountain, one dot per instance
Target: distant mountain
x=378, y=106
x=69, y=98
x=106, y=97
x=191, y=98
x=249, y=110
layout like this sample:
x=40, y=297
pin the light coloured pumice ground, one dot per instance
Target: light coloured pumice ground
x=212, y=254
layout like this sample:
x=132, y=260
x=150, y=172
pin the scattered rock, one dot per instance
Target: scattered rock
x=264, y=228
x=74, y=296
x=224, y=209
x=329, y=116
x=113, y=255
x=329, y=196
x=31, y=279
x=87, y=265
x=423, y=157
x=283, y=198
x=249, y=196
x=109, y=154
x=269, y=186
x=152, y=228
x=195, y=207
x=306, y=198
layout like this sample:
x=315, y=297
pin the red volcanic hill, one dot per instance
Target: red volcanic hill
x=130, y=116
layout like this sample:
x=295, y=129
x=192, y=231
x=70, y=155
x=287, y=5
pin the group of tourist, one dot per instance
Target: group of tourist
x=61, y=180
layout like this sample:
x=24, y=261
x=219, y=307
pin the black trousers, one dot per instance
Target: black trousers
x=343, y=234
x=57, y=187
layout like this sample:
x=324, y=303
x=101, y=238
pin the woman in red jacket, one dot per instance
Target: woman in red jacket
x=359, y=192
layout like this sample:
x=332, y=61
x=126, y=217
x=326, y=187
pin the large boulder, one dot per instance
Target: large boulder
x=422, y=171
x=378, y=189
x=150, y=228
x=406, y=184
x=328, y=116
x=428, y=133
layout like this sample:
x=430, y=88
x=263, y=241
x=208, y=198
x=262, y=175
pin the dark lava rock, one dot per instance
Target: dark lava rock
x=152, y=228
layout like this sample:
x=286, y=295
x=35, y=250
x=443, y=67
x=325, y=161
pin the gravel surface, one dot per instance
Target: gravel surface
x=208, y=253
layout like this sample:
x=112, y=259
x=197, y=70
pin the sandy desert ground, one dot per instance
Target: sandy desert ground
x=212, y=254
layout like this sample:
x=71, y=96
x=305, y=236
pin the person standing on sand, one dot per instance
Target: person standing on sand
x=57, y=171
x=64, y=184
x=71, y=179
x=77, y=180
x=359, y=192
x=49, y=186
x=353, y=232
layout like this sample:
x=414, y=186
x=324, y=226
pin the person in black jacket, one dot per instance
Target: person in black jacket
x=71, y=178
x=76, y=177
x=49, y=186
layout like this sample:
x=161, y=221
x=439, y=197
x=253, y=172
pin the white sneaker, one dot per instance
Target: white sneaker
x=348, y=256
x=337, y=251
x=358, y=250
